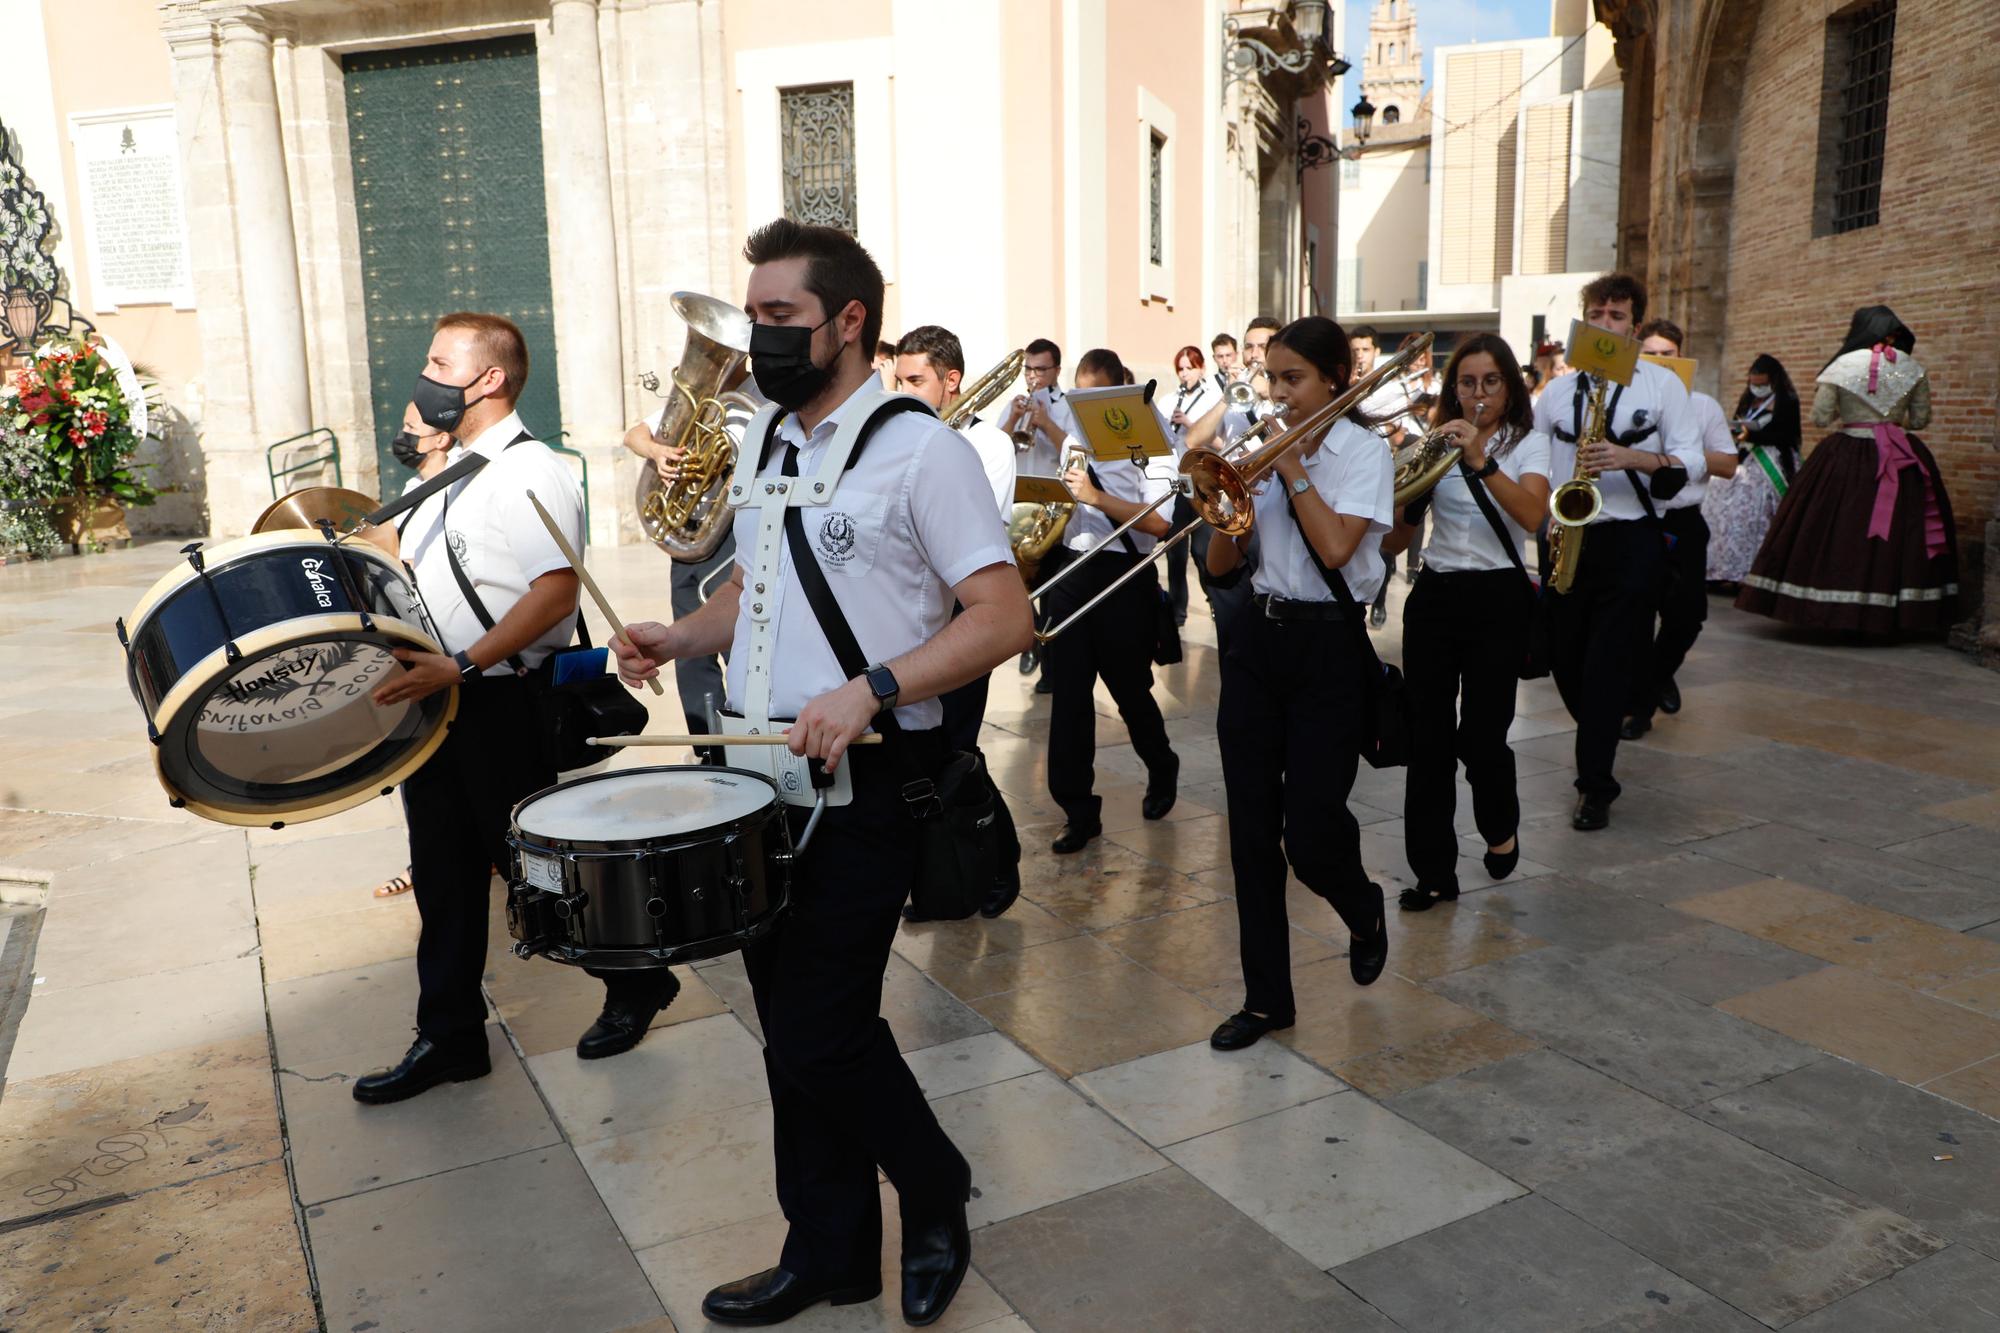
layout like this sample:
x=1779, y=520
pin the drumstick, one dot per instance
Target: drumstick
x=596, y=593
x=866, y=738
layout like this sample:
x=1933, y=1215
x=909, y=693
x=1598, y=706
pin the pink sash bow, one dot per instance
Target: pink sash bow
x=1892, y=454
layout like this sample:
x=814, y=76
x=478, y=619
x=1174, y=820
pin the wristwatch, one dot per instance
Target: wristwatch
x=882, y=681
x=1301, y=486
x=467, y=668
x=1492, y=466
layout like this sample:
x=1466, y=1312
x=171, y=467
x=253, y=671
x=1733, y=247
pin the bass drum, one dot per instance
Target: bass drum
x=254, y=661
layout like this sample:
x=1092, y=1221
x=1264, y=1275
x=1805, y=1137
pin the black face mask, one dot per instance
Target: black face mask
x=781, y=362
x=441, y=405
x=404, y=447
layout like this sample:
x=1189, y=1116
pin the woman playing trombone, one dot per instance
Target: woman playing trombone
x=1465, y=625
x=1293, y=683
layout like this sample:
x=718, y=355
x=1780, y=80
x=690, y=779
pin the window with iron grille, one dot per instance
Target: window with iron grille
x=1854, y=117
x=1156, y=176
x=817, y=127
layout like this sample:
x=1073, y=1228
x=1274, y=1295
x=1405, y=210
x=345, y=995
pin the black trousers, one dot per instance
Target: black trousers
x=1464, y=635
x=1114, y=643
x=1599, y=635
x=1177, y=560
x=1290, y=729
x=1228, y=596
x=1683, y=604
x=843, y=1102
x=964, y=712
x=698, y=680
x=457, y=806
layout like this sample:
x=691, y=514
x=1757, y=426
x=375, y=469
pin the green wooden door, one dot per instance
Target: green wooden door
x=447, y=150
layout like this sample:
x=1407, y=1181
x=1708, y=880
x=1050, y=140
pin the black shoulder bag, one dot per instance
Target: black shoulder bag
x=958, y=853
x=1385, y=741
x=1166, y=629
x=1535, y=661
x=569, y=714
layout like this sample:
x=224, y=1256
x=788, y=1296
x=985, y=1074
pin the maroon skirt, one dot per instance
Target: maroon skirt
x=1819, y=568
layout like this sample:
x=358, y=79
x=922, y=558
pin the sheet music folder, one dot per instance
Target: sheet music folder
x=1119, y=423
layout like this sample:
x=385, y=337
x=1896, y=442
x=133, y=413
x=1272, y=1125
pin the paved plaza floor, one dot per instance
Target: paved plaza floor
x=1732, y=1063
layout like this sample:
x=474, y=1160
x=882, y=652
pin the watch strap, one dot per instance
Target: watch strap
x=466, y=666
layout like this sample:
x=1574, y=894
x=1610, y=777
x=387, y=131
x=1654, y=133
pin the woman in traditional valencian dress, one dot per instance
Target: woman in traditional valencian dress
x=1864, y=540
x=1738, y=509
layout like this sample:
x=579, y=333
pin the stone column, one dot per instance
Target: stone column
x=584, y=256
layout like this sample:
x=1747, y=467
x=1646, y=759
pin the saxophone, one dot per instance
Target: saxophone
x=1577, y=501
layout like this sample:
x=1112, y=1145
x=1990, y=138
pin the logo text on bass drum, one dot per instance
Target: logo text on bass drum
x=316, y=578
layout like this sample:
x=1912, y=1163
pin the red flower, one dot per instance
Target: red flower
x=76, y=438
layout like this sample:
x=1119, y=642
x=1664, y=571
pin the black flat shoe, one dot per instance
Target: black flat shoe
x=1421, y=899
x=1670, y=698
x=1074, y=836
x=1378, y=615
x=426, y=1065
x=623, y=1023
x=1043, y=686
x=1001, y=897
x=1367, y=957
x=1161, y=791
x=935, y=1258
x=1244, y=1029
x=1499, y=865
x=1029, y=661
x=1632, y=728
x=775, y=1295
x=1592, y=813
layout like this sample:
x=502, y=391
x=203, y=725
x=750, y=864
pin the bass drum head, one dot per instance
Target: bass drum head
x=288, y=732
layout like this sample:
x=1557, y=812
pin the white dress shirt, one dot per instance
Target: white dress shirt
x=1355, y=476
x=1193, y=404
x=1461, y=539
x=1653, y=407
x=996, y=455
x=500, y=540
x=1713, y=424
x=1089, y=525
x=911, y=519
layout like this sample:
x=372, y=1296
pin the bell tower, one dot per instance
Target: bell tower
x=1393, y=73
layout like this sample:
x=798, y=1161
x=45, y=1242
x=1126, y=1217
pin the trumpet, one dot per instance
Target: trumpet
x=1577, y=501
x=982, y=391
x=1219, y=486
x=1023, y=433
x=1240, y=395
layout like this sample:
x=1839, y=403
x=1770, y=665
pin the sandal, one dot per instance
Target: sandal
x=393, y=887
x=1423, y=900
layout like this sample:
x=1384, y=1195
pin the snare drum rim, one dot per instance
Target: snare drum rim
x=271, y=814
x=523, y=840
x=215, y=557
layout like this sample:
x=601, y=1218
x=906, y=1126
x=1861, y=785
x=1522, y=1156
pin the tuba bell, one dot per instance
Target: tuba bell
x=686, y=517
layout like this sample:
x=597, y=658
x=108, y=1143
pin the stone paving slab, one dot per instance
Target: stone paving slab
x=1956, y=1291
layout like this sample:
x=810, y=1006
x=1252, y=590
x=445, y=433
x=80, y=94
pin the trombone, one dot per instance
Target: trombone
x=1219, y=487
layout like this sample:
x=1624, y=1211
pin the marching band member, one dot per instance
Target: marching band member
x=1191, y=401
x=1114, y=643
x=909, y=527
x=1291, y=718
x=1223, y=351
x=1465, y=625
x=1041, y=410
x=503, y=597
x=1256, y=341
x=1600, y=628
x=1684, y=599
x=930, y=364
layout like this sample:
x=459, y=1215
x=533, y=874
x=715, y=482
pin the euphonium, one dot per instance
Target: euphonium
x=1033, y=530
x=982, y=391
x=1577, y=501
x=687, y=517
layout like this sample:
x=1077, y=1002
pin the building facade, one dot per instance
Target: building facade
x=1104, y=172
x=1788, y=162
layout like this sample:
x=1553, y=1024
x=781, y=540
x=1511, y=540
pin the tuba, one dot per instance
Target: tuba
x=686, y=517
x=1577, y=501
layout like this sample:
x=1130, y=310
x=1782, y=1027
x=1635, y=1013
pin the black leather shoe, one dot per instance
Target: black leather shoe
x=1244, y=1028
x=425, y=1066
x=1367, y=957
x=1043, y=686
x=1002, y=895
x=775, y=1295
x=1592, y=813
x=1670, y=698
x=1074, y=836
x=1378, y=615
x=623, y=1023
x=1029, y=661
x=935, y=1258
x=1161, y=791
x=1634, y=727
x=1499, y=865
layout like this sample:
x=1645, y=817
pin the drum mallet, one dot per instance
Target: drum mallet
x=589, y=583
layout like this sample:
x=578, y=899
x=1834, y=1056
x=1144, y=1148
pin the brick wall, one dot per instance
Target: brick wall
x=1752, y=126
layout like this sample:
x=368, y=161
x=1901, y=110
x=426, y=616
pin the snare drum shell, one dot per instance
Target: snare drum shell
x=640, y=903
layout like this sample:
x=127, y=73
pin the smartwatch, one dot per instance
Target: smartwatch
x=882, y=681
x=1301, y=486
x=467, y=668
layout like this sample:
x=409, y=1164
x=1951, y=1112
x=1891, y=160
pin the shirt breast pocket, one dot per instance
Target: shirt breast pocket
x=847, y=534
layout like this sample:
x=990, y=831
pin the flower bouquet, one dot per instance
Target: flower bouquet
x=68, y=406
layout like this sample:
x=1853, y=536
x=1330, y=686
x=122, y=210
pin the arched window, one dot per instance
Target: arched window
x=1392, y=115
x=1392, y=53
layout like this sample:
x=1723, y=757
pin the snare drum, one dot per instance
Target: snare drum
x=254, y=661
x=643, y=867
